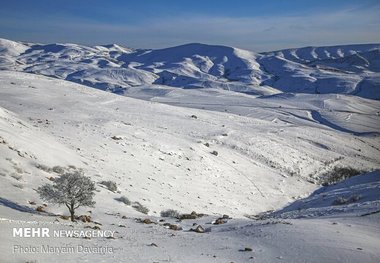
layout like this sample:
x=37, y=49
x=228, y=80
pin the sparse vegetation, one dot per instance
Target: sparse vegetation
x=18, y=169
x=124, y=200
x=170, y=213
x=16, y=176
x=339, y=174
x=343, y=201
x=21, y=186
x=58, y=169
x=340, y=201
x=192, y=215
x=43, y=167
x=140, y=208
x=111, y=185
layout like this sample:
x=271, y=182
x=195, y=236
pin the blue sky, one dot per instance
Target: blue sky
x=254, y=25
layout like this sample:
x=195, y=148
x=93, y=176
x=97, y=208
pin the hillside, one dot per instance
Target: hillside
x=211, y=129
x=162, y=154
x=351, y=69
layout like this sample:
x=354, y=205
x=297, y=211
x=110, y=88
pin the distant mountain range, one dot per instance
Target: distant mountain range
x=347, y=69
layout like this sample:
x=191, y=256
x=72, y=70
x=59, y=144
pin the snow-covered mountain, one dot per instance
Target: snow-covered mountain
x=351, y=69
x=219, y=130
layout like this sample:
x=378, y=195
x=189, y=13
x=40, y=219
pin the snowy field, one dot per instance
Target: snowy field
x=210, y=129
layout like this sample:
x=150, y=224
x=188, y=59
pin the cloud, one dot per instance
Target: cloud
x=254, y=33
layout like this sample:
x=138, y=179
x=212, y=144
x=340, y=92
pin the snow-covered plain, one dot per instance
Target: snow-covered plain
x=276, y=121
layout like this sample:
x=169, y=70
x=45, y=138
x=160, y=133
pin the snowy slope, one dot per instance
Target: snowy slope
x=351, y=69
x=9, y=51
x=358, y=195
x=328, y=237
x=335, y=69
x=345, y=113
x=160, y=159
x=219, y=130
x=162, y=152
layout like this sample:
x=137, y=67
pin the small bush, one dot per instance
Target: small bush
x=58, y=169
x=192, y=215
x=124, y=200
x=16, y=176
x=19, y=186
x=170, y=213
x=111, y=185
x=339, y=174
x=18, y=169
x=215, y=153
x=140, y=208
x=355, y=198
x=343, y=201
x=43, y=167
x=340, y=201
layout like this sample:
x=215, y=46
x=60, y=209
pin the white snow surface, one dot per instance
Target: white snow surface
x=277, y=121
x=350, y=69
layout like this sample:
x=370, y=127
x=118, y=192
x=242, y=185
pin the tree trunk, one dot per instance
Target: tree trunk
x=72, y=213
x=72, y=216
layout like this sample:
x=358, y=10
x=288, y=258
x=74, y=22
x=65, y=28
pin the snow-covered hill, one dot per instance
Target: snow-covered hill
x=162, y=154
x=219, y=130
x=352, y=69
x=162, y=157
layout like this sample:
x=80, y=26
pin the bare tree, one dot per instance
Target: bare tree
x=72, y=189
